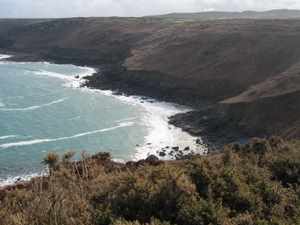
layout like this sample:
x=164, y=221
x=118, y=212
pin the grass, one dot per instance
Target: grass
x=257, y=183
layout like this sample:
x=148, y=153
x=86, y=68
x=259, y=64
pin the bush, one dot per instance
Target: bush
x=257, y=184
x=146, y=193
x=153, y=222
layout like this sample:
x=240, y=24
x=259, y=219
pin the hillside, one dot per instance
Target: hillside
x=241, y=74
x=215, y=15
x=253, y=184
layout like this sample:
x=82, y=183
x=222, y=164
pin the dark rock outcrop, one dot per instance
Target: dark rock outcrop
x=241, y=76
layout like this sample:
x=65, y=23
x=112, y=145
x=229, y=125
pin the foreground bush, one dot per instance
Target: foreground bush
x=255, y=184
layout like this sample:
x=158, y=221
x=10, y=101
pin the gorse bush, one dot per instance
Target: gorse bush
x=153, y=222
x=146, y=193
x=253, y=184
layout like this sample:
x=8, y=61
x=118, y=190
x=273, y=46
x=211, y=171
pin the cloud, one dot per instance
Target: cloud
x=68, y=8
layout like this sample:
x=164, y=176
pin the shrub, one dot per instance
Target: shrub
x=257, y=184
x=146, y=193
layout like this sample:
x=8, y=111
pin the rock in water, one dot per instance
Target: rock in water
x=152, y=158
x=187, y=148
x=176, y=148
x=162, y=154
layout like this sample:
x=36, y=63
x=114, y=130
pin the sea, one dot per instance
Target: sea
x=43, y=109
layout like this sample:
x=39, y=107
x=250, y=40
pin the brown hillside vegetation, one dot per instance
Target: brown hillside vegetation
x=219, y=15
x=254, y=184
x=245, y=67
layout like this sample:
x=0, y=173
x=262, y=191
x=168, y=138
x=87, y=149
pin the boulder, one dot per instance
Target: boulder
x=198, y=141
x=175, y=148
x=152, y=158
x=187, y=148
x=162, y=154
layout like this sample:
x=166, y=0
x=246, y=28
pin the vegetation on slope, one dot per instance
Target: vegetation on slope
x=242, y=67
x=219, y=15
x=257, y=183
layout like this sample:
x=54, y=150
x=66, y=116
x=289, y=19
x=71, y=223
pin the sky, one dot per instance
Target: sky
x=74, y=8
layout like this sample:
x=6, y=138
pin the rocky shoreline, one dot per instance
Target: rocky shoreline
x=233, y=73
x=180, y=143
x=206, y=121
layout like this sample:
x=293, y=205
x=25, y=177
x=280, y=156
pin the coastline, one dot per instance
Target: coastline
x=164, y=140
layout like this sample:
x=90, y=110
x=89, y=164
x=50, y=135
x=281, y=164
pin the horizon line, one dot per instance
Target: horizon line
x=157, y=15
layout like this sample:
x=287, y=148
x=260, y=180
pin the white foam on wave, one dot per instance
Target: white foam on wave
x=22, y=178
x=75, y=118
x=4, y=56
x=53, y=74
x=16, y=97
x=8, y=137
x=71, y=81
x=126, y=119
x=118, y=160
x=89, y=71
x=156, y=118
x=162, y=134
x=1, y=104
x=35, y=107
x=40, y=141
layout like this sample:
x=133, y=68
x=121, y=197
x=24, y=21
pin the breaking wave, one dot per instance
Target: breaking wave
x=8, y=137
x=35, y=107
x=39, y=141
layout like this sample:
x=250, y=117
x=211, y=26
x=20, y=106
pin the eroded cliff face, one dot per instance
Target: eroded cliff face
x=247, y=69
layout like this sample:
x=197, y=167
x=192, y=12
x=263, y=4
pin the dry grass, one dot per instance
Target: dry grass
x=257, y=184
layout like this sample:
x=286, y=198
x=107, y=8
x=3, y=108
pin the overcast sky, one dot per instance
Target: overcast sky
x=71, y=8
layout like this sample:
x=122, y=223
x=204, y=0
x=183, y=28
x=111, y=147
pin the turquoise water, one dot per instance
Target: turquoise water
x=40, y=112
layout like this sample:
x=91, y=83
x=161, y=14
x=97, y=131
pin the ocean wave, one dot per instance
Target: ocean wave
x=53, y=74
x=72, y=82
x=8, y=136
x=118, y=160
x=156, y=118
x=16, y=97
x=14, y=180
x=40, y=141
x=160, y=133
x=35, y=107
x=88, y=71
x=75, y=118
x=4, y=56
x=1, y=103
x=126, y=119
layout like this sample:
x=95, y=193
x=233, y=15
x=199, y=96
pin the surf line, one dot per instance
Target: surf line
x=35, y=107
x=40, y=141
x=8, y=136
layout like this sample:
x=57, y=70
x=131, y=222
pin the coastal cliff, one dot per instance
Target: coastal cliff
x=239, y=73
